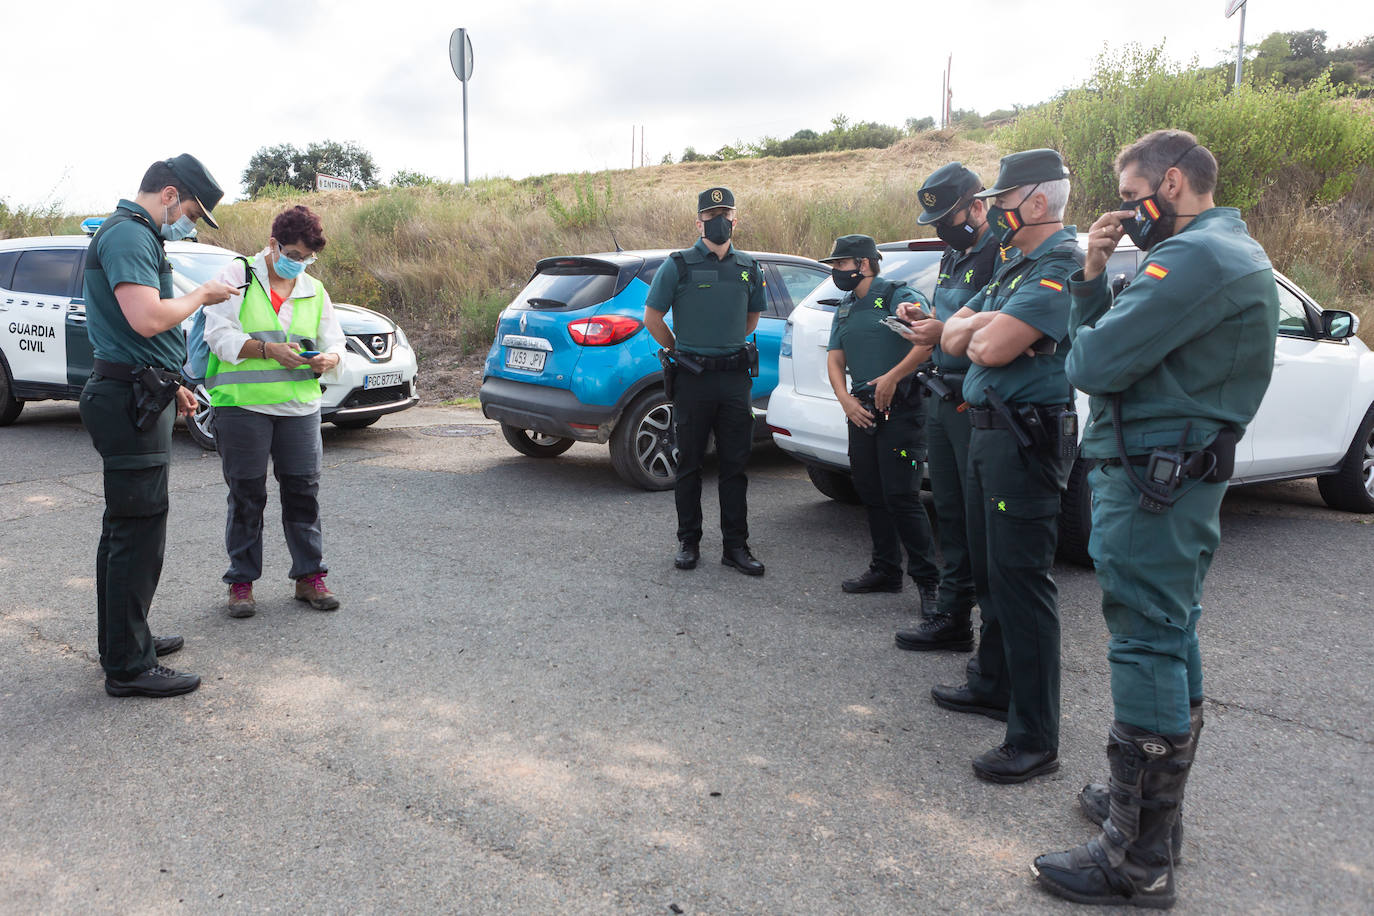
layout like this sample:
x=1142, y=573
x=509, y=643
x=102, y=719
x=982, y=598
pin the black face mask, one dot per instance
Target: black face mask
x=846, y=280
x=717, y=229
x=1154, y=216
x=960, y=238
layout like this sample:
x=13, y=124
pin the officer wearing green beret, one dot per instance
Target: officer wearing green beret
x=1175, y=366
x=716, y=294
x=960, y=220
x=134, y=325
x=886, y=418
x=1015, y=334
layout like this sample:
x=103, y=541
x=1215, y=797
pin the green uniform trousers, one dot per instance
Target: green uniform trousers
x=128, y=562
x=1151, y=567
x=713, y=402
x=885, y=462
x=947, y=436
x=1013, y=528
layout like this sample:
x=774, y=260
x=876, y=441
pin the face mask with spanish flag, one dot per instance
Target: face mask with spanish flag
x=1154, y=216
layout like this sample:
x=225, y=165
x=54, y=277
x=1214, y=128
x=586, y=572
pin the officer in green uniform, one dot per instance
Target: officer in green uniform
x=1176, y=366
x=715, y=294
x=134, y=325
x=1015, y=334
x=960, y=220
x=886, y=418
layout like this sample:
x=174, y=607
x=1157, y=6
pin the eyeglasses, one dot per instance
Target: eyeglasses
x=306, y=259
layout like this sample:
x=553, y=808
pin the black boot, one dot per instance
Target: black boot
x=873, y=580
x=939, y=631
x=1095, y=799
x=1129, y=862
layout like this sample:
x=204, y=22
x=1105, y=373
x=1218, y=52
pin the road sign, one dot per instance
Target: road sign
x=460, y=54
x=331, y=183
x=1232, y=6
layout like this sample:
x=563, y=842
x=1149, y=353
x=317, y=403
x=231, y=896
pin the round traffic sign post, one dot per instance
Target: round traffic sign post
x=460, y=58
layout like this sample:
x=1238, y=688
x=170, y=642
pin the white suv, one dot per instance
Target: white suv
x=1316, y=420
x=45, y=352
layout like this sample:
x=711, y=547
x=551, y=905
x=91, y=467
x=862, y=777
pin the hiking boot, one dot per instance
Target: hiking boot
x=157, y=682
x=312, y=588
x=1008, y=764
x=241, y=603
x=929, y=590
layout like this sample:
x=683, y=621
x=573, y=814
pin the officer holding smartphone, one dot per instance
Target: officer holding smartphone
x=886, y=418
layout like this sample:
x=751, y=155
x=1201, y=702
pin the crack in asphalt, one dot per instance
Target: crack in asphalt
x=35, y=632
x=1324, y=730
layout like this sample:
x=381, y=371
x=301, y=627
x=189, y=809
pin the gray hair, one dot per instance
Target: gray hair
x=1056, y=196
x=1155, y=153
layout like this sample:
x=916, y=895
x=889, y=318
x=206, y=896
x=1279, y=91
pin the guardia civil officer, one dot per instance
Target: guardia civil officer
x=886, y=418
x=134, y=325
x=960, y=220
x=715, y=294
x=1176, y=365
x=1015, y=334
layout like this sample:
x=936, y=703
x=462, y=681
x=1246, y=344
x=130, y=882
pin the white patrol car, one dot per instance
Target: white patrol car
x=1316, y=419
x=45, y=352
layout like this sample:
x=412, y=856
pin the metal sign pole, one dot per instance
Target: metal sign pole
x=460, y=57
x=1240, y=46
x=465, y=132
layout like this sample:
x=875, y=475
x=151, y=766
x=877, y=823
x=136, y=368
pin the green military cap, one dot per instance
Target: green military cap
x=1031, y=167
x=715, y=197
x=944, y=189
x=193, y=175
x=854, y=246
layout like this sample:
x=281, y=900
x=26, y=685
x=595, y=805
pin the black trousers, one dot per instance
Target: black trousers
x=702, y=404
x=886, y=465
x=1013, y=528
x=133, y=535
x=947, y=437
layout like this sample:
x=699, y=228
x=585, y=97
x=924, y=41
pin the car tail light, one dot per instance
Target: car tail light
x=779, y=430
x=604, y=330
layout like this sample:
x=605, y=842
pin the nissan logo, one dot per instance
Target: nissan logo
x=378, y=344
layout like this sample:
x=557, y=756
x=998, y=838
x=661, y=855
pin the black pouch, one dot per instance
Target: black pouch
x=153, y=390
x=1223, y=449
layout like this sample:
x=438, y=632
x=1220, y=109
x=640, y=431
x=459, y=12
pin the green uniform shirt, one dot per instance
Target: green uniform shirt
x=1033, y=287
x=962, y=275
x=870, y=349
x=129, y=252
x=1191, y=340
x=711, y=304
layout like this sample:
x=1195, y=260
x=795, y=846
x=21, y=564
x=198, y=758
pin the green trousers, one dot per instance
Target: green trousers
x=128, y=562
x=1151, y=568
x=1013, y=527
x=947, y=436
x=713, y=402
x=885, y=461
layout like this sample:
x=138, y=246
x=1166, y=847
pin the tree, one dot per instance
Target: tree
x=270, y=165
x=405, y=178
x=288, y=166
x=348, y=161
x=919, y=125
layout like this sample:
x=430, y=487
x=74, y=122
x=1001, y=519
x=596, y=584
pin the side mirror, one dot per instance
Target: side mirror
x=1339, y=325
x=1119, y=282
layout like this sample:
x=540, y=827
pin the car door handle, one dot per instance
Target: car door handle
x=76, y=318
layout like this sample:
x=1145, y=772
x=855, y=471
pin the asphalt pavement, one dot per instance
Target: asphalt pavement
x=522, y=707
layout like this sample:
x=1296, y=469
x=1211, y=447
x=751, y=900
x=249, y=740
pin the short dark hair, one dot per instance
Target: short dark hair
x=1155, y=153
x=299, y=224
x=159, y=176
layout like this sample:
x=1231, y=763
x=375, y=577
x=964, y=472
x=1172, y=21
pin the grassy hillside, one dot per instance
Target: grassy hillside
x=444, y=259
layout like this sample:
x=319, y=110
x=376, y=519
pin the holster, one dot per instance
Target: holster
x=153, y=390
x=669, y=373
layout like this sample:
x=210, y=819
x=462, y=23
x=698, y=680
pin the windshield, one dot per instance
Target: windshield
x=917, y=269
x=568, y=288
x=199, y=266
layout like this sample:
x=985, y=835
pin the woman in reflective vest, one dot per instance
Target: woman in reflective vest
x=268, y=349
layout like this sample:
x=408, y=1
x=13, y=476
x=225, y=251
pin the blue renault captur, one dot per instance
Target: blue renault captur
x=572, y=361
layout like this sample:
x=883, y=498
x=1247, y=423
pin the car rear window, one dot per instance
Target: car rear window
x=199, y=266
x=569, y=286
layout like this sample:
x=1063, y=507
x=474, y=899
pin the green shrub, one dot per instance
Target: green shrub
x=586, y=210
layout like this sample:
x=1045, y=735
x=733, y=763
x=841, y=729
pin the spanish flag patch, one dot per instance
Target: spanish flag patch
x=1156, y=271
x=1057, y=287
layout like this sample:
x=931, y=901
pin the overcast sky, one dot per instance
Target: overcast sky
x=95, y=91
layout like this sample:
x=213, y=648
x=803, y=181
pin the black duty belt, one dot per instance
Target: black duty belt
x=727, y=363
x=120, y=372
x=987, y=418
x=1195, y=467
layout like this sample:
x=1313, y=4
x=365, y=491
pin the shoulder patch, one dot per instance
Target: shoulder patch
x=1157, y=271
x=1056, y=286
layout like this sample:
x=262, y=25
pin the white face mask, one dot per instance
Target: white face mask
x=177, y=231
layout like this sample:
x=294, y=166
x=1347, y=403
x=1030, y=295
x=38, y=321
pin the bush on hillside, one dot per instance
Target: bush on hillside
x=1256, y=133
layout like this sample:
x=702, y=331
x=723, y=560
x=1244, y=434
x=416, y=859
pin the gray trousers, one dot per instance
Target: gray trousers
x=245, y=440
